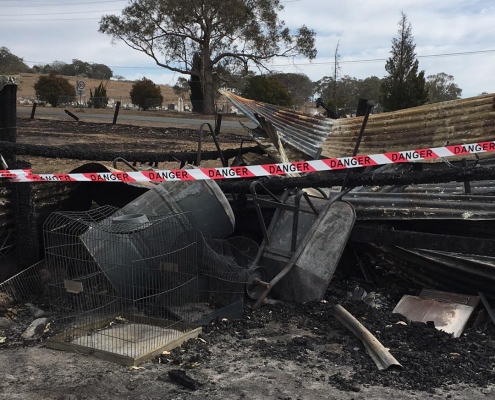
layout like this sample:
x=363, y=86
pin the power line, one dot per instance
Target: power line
x=465, y=53
x=63, y=13
x=78, y=4
x=47, y=19
x=60, y=4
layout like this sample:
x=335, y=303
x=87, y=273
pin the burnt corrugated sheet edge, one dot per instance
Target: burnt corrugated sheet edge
x=304, y=132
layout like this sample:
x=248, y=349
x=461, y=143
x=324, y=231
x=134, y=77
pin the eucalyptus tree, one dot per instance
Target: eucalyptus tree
x=200, y=37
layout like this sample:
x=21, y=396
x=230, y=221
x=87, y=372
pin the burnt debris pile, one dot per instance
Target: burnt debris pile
x=383, y=276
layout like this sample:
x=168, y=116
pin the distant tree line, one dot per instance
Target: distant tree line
x=405, y=85
x=76, y=68
x=10, y=64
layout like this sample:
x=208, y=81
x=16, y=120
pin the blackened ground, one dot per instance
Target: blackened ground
x=91, y=137
x=280, y=351
x=431, y=358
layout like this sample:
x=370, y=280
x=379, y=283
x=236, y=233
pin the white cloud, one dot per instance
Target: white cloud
x=365, y=31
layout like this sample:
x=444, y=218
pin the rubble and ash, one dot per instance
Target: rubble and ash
x=431, y=359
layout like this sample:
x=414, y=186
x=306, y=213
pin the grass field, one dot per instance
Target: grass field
x=115, y=89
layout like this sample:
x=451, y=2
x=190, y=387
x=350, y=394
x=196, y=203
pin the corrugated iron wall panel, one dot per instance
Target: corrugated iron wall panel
x=432, y=125
x=454, y=122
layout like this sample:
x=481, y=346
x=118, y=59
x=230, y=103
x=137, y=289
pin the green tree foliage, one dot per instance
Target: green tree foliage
x=10, y=64
x=229, y=35
x=181, y=87
x=59, y=67
x=343, y=96
x=146, y=94
x=236, y=82
x=99, y=71
x=269, y=90
x=77, y=68
x=441, y=87
x=404, y=87
x=49, y=88
x=99, y=99
x=369, y=88
x=299, y=86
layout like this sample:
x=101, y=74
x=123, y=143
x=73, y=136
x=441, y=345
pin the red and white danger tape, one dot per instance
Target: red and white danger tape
x=330, y=164
x=12, y=173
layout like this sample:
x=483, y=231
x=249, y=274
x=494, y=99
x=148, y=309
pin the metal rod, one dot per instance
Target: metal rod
x=217, y=145
x=218, y=124
x=369, y=106
x=295, y=220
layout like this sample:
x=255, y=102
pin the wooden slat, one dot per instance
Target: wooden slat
x=58, y=342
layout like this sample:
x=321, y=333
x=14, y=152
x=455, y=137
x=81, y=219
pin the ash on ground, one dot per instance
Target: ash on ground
x=310, y=336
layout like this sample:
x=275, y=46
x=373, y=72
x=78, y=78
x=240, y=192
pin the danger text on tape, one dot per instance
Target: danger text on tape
x=253, y=171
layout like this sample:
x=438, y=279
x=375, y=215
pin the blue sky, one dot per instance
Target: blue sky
x=42, y=31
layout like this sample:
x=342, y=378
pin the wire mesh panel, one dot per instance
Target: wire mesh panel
x=30, y=285
x=126, y=285
x=223, y=268
x=115, y=277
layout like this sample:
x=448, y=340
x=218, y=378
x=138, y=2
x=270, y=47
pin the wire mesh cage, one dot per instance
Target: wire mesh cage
x=128, y=286
x=28, y=286
x=114, y=279
x=222, y=275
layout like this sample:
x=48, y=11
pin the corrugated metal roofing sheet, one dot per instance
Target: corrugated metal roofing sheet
x=432, y=125
x=304, y=132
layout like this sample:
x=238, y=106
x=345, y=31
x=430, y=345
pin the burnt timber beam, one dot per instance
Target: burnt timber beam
x=329, y=179
x=383, y=236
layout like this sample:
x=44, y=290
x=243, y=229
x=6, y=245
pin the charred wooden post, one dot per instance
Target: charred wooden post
x=33, y=111
x=22, y=197
x=23, y=207
x=71, y=115
x=8, y=115
x=116, y=114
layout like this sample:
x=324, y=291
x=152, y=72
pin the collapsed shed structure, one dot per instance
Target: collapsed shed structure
x=434, y=234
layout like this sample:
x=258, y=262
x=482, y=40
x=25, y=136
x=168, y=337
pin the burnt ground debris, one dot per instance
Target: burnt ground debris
x=69, y=138
x=307, y=336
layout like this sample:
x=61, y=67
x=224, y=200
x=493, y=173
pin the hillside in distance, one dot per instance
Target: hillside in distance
x=118, y=90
